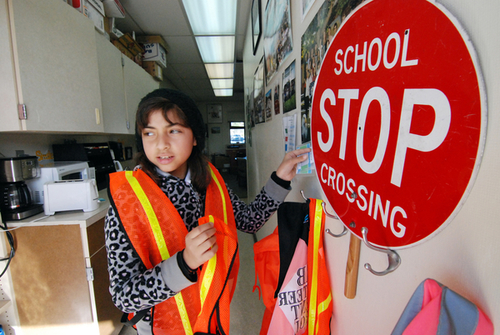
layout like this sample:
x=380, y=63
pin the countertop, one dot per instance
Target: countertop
x=85, y=219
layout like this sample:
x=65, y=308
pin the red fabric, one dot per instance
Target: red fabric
x=267, y=264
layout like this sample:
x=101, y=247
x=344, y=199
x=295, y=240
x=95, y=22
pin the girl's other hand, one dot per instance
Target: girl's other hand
x=200, y=245
x=288, y=167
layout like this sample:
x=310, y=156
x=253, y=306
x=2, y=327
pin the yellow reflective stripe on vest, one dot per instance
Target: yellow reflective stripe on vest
x=150, y=213
x=322, y=307
x=313, y=299
x=209, y=275
x=224, y=207
x=160, y=241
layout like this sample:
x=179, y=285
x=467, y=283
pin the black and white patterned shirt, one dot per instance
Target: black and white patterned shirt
x=133, y=287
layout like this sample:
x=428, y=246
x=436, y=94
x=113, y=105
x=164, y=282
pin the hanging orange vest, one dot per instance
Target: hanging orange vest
x=157, y=232
x=311, y=312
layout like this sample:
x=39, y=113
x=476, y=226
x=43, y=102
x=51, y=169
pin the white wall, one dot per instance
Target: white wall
x=465, y=256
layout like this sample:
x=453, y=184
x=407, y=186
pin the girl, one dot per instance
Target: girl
x=155, y=238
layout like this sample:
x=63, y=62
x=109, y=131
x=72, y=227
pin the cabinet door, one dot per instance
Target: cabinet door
x=138, y=83
x=114, y=112
x=8, y=99
x=49, y=280
x=109, y=317
x=55, y=52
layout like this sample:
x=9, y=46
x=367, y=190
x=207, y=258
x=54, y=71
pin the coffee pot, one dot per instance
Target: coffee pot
x=16, y=202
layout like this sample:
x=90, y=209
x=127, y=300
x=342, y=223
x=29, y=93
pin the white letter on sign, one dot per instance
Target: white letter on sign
x=347, y=95
x=411, y=97
x=326, y=146
x=375, y=93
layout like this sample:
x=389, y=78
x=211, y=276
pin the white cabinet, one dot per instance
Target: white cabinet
x=138, y=83
x=123, y=85
x=49, y=64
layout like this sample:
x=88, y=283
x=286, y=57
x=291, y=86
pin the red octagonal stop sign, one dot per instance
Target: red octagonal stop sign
x=398, y=121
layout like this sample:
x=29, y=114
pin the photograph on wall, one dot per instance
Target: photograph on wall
x=215, y=130
x=277, y=41
x=249, y=110
x=256, y=25
x=314, y=45
x=258, y=93
x=277, y=99
x=214, y=113
x=305, y=126
x=306, y=6
x=269, y=105
x=289, y=99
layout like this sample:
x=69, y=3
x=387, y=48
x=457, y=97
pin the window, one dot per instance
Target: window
x=236, y=132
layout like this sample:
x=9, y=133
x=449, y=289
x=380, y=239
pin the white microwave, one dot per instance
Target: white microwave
x=58, y=171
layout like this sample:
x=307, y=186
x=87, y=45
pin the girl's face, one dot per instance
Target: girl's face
x=168, y=145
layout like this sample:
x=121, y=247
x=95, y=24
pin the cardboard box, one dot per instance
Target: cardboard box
x=131, y=45
x=114, y=8
x=153, y=69
x=122, y=48
x=94, y=10
x=155, y=49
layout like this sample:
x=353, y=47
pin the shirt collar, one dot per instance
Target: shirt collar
x=187, y=178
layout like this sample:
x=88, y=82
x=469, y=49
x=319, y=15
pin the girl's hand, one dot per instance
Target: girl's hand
x=200, y=245
x=288, y=167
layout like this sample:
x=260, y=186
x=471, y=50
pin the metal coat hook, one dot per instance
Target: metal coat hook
x=303, y=195
x=393, y=256
x=328, y=231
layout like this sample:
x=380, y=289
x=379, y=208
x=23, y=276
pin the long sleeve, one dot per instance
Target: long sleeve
x=132, y=286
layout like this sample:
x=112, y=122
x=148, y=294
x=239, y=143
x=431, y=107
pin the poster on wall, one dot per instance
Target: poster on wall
x=258, y=93
x=289, y=99
x=277, y=99
x=269, y=105
x=314, y=44
x=289, y=129
x=277, y=41
x=398, y=134
x=306, y=6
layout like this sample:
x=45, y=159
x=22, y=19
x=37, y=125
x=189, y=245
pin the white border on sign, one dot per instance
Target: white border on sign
x=484, y=123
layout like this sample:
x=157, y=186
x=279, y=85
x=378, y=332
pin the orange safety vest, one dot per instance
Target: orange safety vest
x=157, y=232
x=311, y=311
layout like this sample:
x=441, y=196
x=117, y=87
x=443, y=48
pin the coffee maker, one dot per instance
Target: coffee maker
x=16, y=202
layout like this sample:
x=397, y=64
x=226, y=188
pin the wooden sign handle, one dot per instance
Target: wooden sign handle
x=351, y=271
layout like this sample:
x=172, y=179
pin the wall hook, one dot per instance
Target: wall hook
x=393, y=256
x=303, y=195
x=328, y=231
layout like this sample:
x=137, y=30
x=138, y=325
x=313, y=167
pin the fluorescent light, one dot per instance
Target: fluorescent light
x=213, y=23
x=221, y=83
x=211, y=17
x=221, y=70
x=216, y=49
x=223, y=92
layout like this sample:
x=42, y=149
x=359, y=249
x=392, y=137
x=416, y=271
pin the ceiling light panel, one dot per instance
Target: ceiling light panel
x=221, y=83
x=223, y=92
x=216, y=49
x=211, y=17
x=225, y=70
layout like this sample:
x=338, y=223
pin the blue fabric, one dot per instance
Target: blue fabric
x=411, y=310
x=457, y=316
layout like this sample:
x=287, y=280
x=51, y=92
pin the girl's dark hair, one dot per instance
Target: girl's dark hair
x=197, y=162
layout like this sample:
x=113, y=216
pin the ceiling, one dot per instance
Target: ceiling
x=185, y=68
